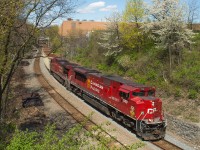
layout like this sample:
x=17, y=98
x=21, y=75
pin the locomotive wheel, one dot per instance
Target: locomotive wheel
x=63, y=82
x=113, y=115
x=67, y=85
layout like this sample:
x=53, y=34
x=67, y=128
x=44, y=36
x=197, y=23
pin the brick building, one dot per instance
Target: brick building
x=77, y=26
x=196, y=27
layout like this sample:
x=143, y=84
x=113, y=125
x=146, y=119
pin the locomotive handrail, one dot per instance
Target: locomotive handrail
x=137, y=120
x=165, y=118
x=142, y=120
x=165, y=122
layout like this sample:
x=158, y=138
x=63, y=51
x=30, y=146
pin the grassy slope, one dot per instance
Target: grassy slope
x=180, y=93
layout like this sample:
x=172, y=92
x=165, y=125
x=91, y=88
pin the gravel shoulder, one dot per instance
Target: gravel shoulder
x=52, y=112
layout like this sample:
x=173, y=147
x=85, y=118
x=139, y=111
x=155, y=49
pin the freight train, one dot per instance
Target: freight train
x=130, y=103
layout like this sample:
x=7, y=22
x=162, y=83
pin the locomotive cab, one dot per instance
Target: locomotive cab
x=141, y=104
x=149, y=116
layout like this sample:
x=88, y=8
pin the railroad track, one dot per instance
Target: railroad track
x=80, y=118
x=166, y=145
x=76, y=114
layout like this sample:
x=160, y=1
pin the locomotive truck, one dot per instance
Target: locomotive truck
x=133, y=104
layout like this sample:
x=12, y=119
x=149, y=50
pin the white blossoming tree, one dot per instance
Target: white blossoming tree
x=110, y=39
x=168, y=28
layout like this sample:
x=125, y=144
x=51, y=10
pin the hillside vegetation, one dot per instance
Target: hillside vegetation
x=160, y=52
x=180, y=91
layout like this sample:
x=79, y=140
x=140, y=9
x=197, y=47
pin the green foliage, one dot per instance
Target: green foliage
x=134, y=11
x=102, y=67
x=136, y=146
x=187, y=74
x=130, y=36
x=5, y=133
x=75, y=138
x=52, y=33
x=48, y=139
x=192, y=94
x=177, y=92
x=131, y=33
x=168, y=29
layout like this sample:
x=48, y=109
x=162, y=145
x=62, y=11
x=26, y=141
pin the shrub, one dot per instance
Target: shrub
x=5, y=132
x=177, y=92
x=192, y=94
x=102, y=67
x=73, y=139
x=125, y=62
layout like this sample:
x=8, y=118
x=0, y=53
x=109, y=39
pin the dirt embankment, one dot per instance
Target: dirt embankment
x=28, y=107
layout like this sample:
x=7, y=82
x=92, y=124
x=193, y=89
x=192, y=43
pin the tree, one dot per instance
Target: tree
x=20, y=22
x=193, y=12
x=130, y=27
x=110, y=39
x=54, y=38
x=168, y=28
x=134, y=12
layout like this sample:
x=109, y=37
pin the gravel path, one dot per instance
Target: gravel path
x=51, y=109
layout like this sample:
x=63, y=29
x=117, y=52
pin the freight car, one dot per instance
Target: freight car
x=133, y=104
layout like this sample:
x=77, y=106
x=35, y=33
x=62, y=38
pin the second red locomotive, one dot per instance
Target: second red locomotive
x=133, y=104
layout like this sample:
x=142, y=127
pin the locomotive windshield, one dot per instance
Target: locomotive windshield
x=124, y=95
x=143, y=93
x=151, y=93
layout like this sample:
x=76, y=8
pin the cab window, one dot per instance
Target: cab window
x=65, y=70
x=141, y=93
x=81, y=77
x=151, y=93
x=124, y=95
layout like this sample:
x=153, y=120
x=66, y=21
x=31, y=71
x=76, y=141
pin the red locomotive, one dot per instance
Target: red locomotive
x=133, y=104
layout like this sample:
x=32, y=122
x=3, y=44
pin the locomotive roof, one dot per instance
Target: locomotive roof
x=97, y=74
x=71, y=64
x=62, y=61
x=84, y=70
x=124, y=81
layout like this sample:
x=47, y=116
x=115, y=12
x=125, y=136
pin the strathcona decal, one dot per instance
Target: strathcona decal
x=96, y=84
x=94, y=89
x=132, y=111
x=88, y=83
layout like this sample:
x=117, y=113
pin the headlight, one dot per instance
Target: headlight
x=150, y=120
